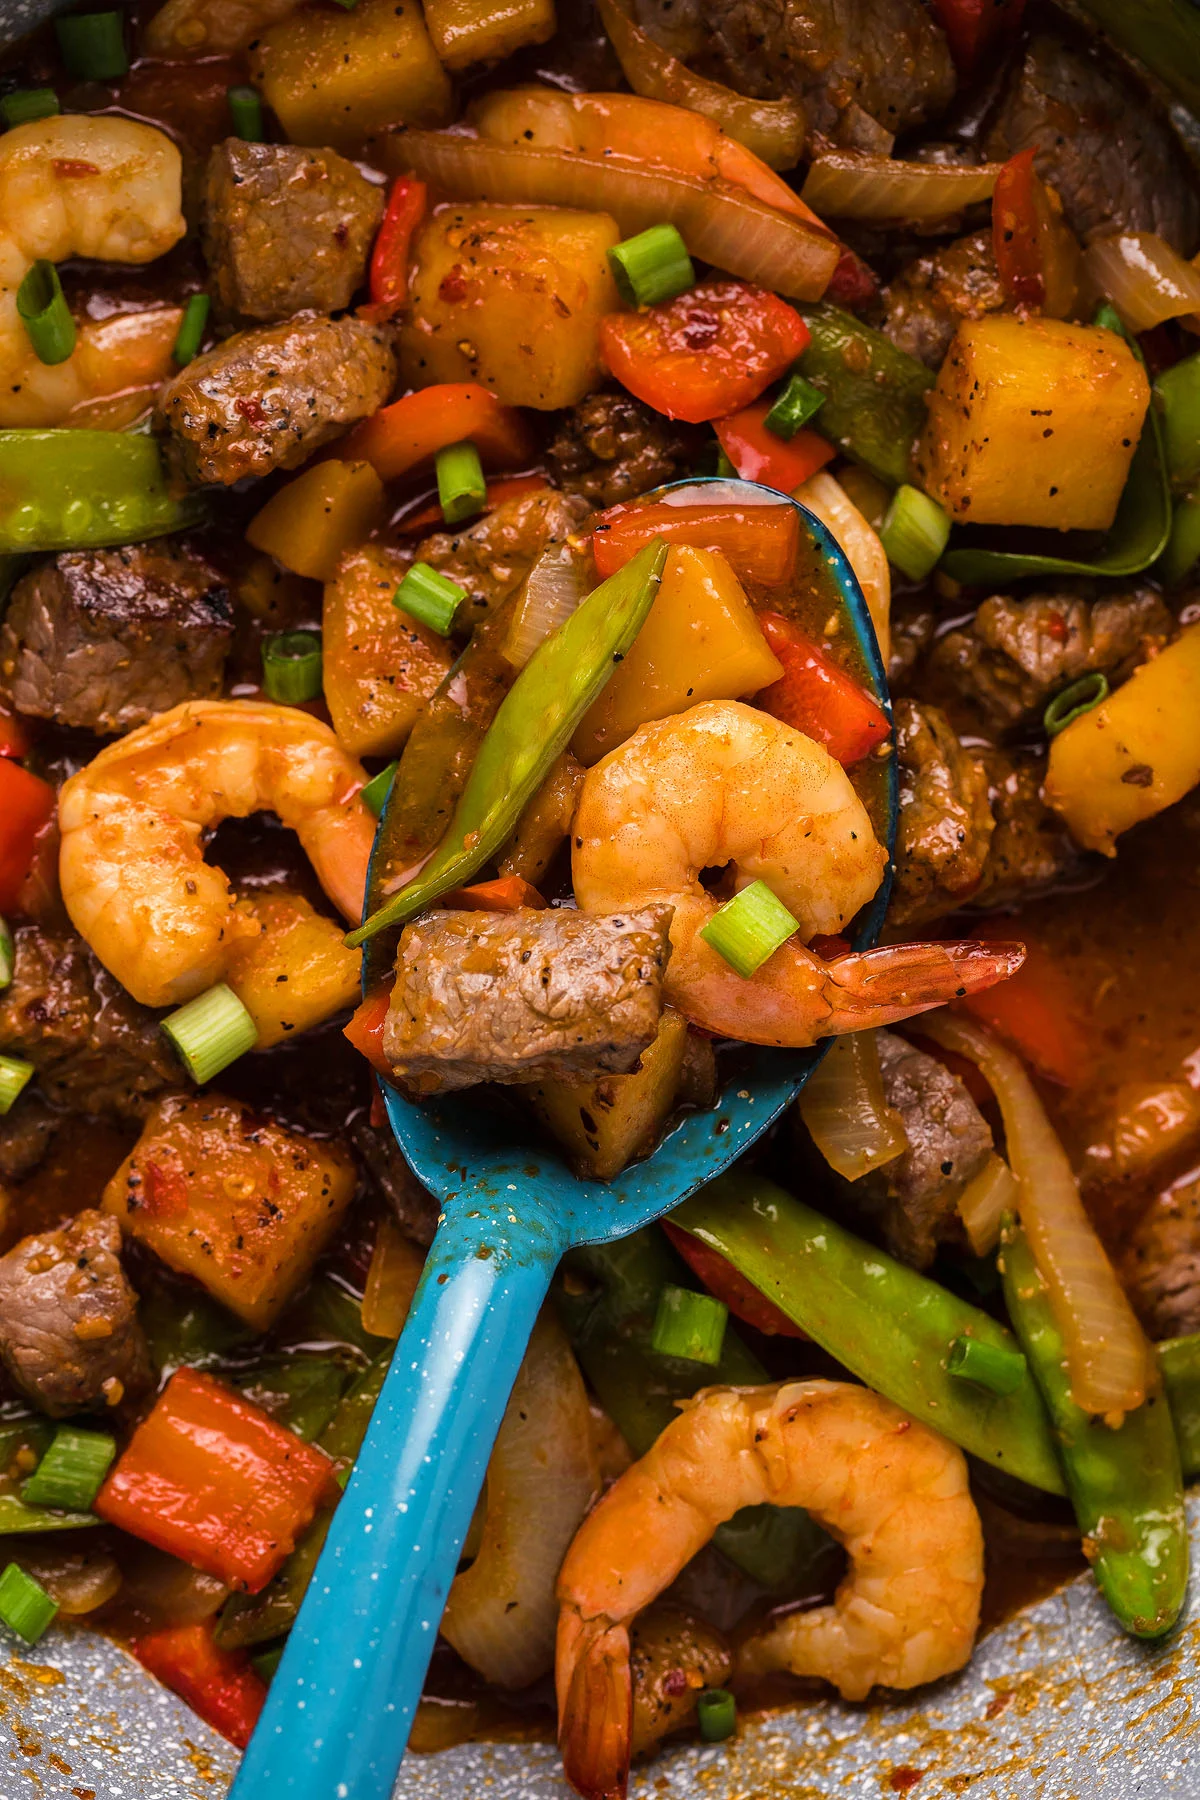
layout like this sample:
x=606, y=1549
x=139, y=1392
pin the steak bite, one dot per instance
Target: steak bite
x=105, y=639
x=611, y=448
x=266, y=399
x=513, y=997
x=69, y=1334
x=286, y=229
x=931, y=296
x=1160, y=1266
x=946, y=823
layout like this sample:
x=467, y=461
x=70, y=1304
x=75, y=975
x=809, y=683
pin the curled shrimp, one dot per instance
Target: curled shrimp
x=132, y=869
x=77, y=185
x=892, y=1491
x=724, y=783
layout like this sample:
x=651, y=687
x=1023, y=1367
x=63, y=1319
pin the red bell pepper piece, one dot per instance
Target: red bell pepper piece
x=388, y=281
x=507, y=894
x=211, y=1478
x=759, y=455
x=220, y=1685
x=818, y=697
x=26, y=807
x=760, y=542
x=974, y=27
x=1037, y=255
x=13, y=738
x=707, y=353
x=728, y=1284
x=853, y=283
x=411, y=431
x=365, y=1030
x=1037, y=1011
x=511, y=487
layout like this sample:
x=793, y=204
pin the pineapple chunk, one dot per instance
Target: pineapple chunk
x=511, y=297
x=701, y=641
x=222, y=1194
x=334, y=77
x=472, y=31
x=603, y=1123
x=380, y=666
x=1033, y=422
x=296, y=973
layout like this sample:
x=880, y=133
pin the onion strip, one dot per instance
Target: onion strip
x=1106, y=1351
x=844, y=1107
x=845, y=185
x=553, y=589
x=721, y=225
x=1144, y=278
x=984, y=1202
x=773, y=129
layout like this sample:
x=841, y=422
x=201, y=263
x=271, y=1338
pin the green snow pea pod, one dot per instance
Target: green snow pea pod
x=1179, y=1364
x=75, y=490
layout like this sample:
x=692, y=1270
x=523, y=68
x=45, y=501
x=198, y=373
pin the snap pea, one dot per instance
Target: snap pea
x=874, y=405
x=1163, y=33
x=301, y=1390
x=75, y=490
x=890, y=1326
x=1179, y=1363
x=531, y=728
x=1125, y=1484
x=1177, y=391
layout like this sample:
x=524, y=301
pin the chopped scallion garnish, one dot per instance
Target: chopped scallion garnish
x=191, y=329
x=25, y=105
x=44, y=312
x=462, y=488
x=71, y=1473
x=798, y=402
x=245, y=109
x=92, y=45
x=749, y=928
x=211, y=1032
x=689, y=1325
x=8, y=955
x=725, y=469
x=430, y=597
x=15, y=1072
x=652, y=267
x=990, y=1366
x=914, y=533
x=1074, y=701
x=374, y=794
x=25, y=1606
x=716, y=1712
x=292, y=666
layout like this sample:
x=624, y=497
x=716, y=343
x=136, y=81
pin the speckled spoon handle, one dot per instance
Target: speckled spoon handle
x=341, y=1705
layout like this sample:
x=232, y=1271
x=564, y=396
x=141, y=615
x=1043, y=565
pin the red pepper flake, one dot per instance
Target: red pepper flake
x=453, y=286
x=69, y=168
x=164, y=1191
x=903, y=1778
x=251, y=411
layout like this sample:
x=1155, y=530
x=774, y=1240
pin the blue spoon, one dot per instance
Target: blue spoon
x=341, y=1705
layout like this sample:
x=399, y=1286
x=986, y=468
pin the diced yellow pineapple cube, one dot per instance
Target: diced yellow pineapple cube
x=603, y=1123
x=297, y=972
x=473, y=31
x=380, y=666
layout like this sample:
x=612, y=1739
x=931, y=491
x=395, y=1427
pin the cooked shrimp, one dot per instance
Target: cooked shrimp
x=724, y=783
x=134, y=879
x=77, y=185
x=889, y=1489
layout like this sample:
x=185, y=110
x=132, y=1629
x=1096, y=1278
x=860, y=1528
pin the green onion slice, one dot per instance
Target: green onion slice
x=689, y=1325
x=92, y=45
x=461, y=486
x=25, y=1606
x=44, y=312
x=1074, y=701
x=191, y=329
x=26, y=104
x=8, y=955
x=211, y=1032
x=429, y=597
x=374, y=795
x=750, y=928
x=652, y=267
x=716, y=1711
x=292, y=666
x=71, y=1473
x=246, y=111
x=914, y=533
x=798, y=402
x=989, y=1366
x=15, y=1072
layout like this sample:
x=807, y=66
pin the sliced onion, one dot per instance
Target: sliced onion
x=721, y=225
x=1106, y=1351
x=553, y=589
x=773, y=129
x=1144, y=278
x=844, y=185
x=396, y=1264
x=502, y=1614
x=984, y=1202
x=860, y=541
x=78, y=1581
x=844, y=1107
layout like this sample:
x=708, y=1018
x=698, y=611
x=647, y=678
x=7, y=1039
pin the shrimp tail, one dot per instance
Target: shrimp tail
x=595, y=1704
x=877, y=987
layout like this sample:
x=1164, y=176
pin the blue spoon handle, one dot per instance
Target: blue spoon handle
x=341, y=1705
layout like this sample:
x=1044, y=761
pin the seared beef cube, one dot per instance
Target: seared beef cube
x=1100, y=140
x=105, y=639
x=1016, y=654
x=946, y=824
x=286, y=229
x=1161, y=1263
x=1031, y=849
x=517, y=996
x=69, y=1334
x=914, y=1199
x=267, y=399
x=928, y=300
x=611, y=448
x=490, y=558
x=26, y=1134
x=95, y=1050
